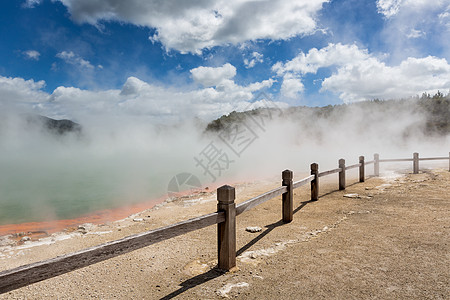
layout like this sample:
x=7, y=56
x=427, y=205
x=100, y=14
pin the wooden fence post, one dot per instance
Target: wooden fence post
x=416, y=163
x=226, y=231
x=315, y=182
x=288, y=197
x=361, y=169
x=342, y=174
x=376, y=164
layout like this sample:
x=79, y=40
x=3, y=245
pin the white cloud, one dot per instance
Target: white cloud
x=190, y=26
x=136, y=97
x=209, y=76
x=414, y=19
x=445, y=15
x=32, y=54
x=74, y=59
x=388, y=8
x=31, y=3
x=414, y=34
x=362, y=76
x=254, y=58
x=371, y=79
x=291, y=86
x=75, y=99
x=444, y=18
x=141, y=98
x=19, y=90
x=333, y=54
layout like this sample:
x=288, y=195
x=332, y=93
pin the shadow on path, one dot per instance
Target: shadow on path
x=214, y=273
x=195, y=281
x=269, y=227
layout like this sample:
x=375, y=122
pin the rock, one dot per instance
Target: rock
x=253, y=229
x=84, y=228
x=352, y=196
x=25, y=238
x=223, y=292
x=384, y=186
x=138, y=219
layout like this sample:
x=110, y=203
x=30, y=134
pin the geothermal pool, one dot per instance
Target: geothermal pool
x=45, y=177
x=38, y=191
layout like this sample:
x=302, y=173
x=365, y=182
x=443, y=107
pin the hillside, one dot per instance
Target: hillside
x=431, y=114
x=54, y=126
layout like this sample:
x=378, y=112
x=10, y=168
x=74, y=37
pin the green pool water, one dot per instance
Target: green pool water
x=41, y=187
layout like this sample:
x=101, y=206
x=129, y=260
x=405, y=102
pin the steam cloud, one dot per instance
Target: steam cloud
x=119, y=160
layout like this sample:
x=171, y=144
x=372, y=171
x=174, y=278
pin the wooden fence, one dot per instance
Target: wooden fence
x=225, y=218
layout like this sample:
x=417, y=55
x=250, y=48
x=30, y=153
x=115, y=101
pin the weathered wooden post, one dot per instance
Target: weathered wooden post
x=288, y=197
x=376, y=164
x=226, y=231
x=361, y=169
x=315, y=182
x=342, y=174
x=416, y=163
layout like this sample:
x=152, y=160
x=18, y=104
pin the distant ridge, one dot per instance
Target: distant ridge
x=435, y=112
x=59, y=127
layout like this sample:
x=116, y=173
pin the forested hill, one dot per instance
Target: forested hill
x=429, y=114
x=58, y=127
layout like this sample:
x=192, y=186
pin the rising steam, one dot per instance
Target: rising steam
x=120, y=160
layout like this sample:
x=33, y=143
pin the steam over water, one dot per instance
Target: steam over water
x=118, y=161
x=45, y=176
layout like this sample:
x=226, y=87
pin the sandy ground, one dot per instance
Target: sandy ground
x=389, y=242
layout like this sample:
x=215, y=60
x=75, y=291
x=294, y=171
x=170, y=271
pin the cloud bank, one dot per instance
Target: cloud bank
x=19, y=90
x=361, y=76
x=190, y=26
x=218, y=95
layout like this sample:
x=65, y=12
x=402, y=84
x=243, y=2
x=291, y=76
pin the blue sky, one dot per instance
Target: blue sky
x=204, y=58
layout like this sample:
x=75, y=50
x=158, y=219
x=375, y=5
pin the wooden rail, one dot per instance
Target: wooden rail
x=415, y=161
x=225, y=218
x=353, y=166
x=396, y=160
x=35, y=272
x=433, y=158
x=303, y=181
x=325, y=173
x=255, y=201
